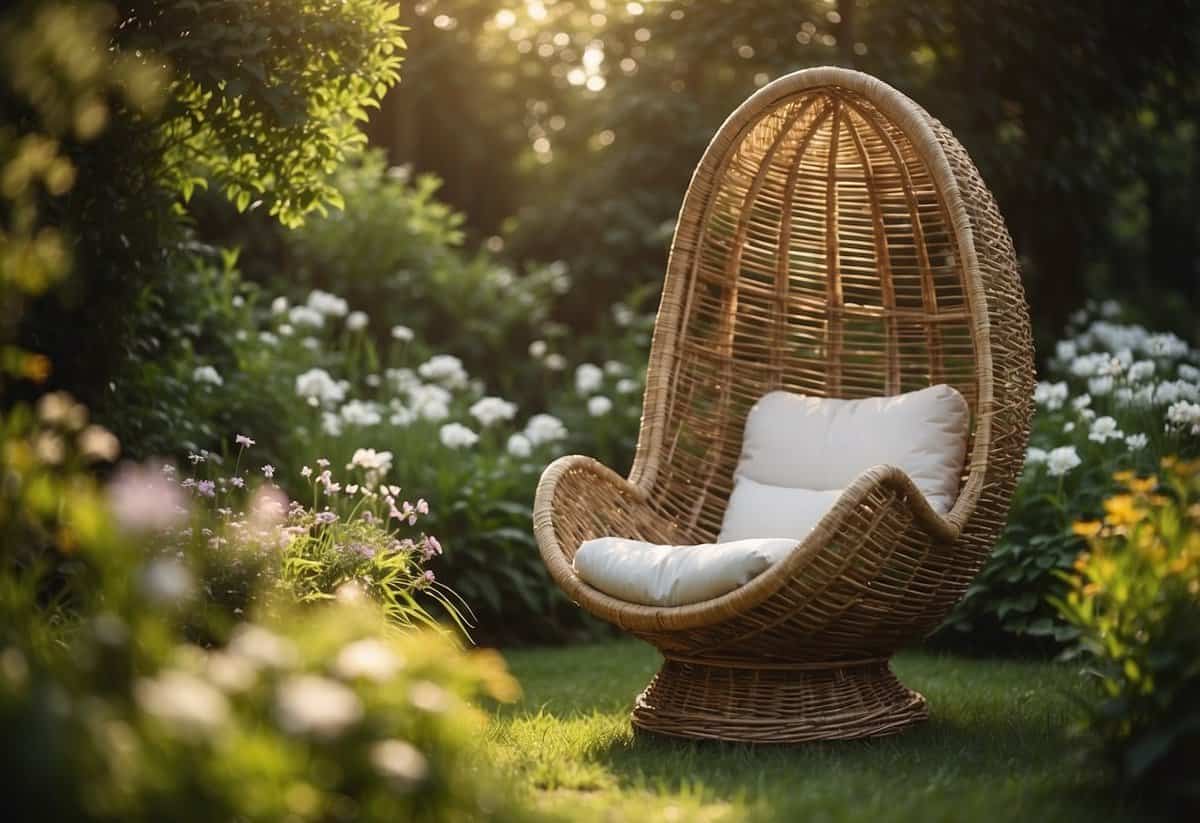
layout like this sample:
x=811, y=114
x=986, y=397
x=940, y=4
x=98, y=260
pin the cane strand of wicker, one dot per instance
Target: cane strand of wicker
x=836, y=241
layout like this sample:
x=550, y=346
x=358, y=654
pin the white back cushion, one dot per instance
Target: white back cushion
x=759, y=510
x=655, y=575
x=819, y=443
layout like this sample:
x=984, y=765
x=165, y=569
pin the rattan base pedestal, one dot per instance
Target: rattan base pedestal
x=783, y=703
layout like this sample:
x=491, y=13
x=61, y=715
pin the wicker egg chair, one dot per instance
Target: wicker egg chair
x=837, y=241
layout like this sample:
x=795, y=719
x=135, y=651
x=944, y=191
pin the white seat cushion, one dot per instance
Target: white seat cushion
x=760, y=510
x=656, y=575
x=818, y=443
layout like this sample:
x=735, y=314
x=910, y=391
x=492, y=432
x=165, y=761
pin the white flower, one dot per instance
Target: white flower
x=357, y=321
x=429, y=401
x=1035, y=456
x=98, y=443
x=519, y=446
x=267, y=338
x=1081, y=402
x=615, y=368
x=166, y=581
x=599, y=406
x=1135, y=442
x=311, y=343
x=184, y=702
x=538, y=349
x=555, y=362
x=1100, y=386
x=310, y=704
x=1088, y=365
x=1066, y=350
x=1183, y=415
x=368, y=658
x=588, y=378
x=229, y=672
x=402, y=333
x=285, y=330
x=445, y=369
x=1189, y=373
x=399, y=761
x=207, y=374
x=331, y=423
x=379, y=462
x=627, y=386
x=544, y=428
x=1061, y=460
x=622, y=314
x=1164, y=345
x=1103, y=429
x=403, y=379
x=1050, y=395
x=318, y=384
x=306, y=316
x=1110, y=308
x=279, y=305
x=402, y=416
x=362, y=413
x=1068, y=427
x=327, y=304
x=457, y=436
x=489, y=410
x=261, y=647
x=1141, y=370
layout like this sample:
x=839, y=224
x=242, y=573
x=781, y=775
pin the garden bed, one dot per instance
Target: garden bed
x=996, y=748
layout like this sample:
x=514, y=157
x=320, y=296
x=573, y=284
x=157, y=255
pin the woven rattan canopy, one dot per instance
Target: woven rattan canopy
x=836, y=241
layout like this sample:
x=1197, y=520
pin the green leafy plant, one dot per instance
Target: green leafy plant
x=1134, y=597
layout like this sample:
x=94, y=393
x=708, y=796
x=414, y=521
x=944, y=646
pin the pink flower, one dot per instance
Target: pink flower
x=142, y=499
x=428, y=577
x=268, y=471
x=431, y=547
x=243, y=441
x=422, y=506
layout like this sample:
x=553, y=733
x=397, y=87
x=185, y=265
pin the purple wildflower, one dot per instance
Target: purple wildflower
x=431, y=546
x=428, y=577
x=238, y=482
x=326, y=517
x=268, y=471
x=206, y=488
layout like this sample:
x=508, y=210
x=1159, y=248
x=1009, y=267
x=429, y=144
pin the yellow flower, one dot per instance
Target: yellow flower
x=1121, y=510
x=1086, y=528
x=1143, y=485
x=1124, y=477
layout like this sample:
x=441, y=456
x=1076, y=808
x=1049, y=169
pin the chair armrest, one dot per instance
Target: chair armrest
x=579, y=498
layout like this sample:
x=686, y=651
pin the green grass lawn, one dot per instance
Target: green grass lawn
x=995, y=749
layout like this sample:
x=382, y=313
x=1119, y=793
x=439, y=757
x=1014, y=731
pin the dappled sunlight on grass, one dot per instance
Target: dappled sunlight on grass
x=994, y=749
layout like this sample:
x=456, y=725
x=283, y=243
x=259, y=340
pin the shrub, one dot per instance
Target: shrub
x=1134, y=597
x=1118, y=398
x=286, y=711
x=317, y=378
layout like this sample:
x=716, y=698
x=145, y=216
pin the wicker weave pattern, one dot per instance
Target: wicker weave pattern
x=835, y=240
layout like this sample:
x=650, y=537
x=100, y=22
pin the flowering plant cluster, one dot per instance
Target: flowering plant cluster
x=1134, y=597
x=1117, y=397
x=130, y=692
x=352, y=530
